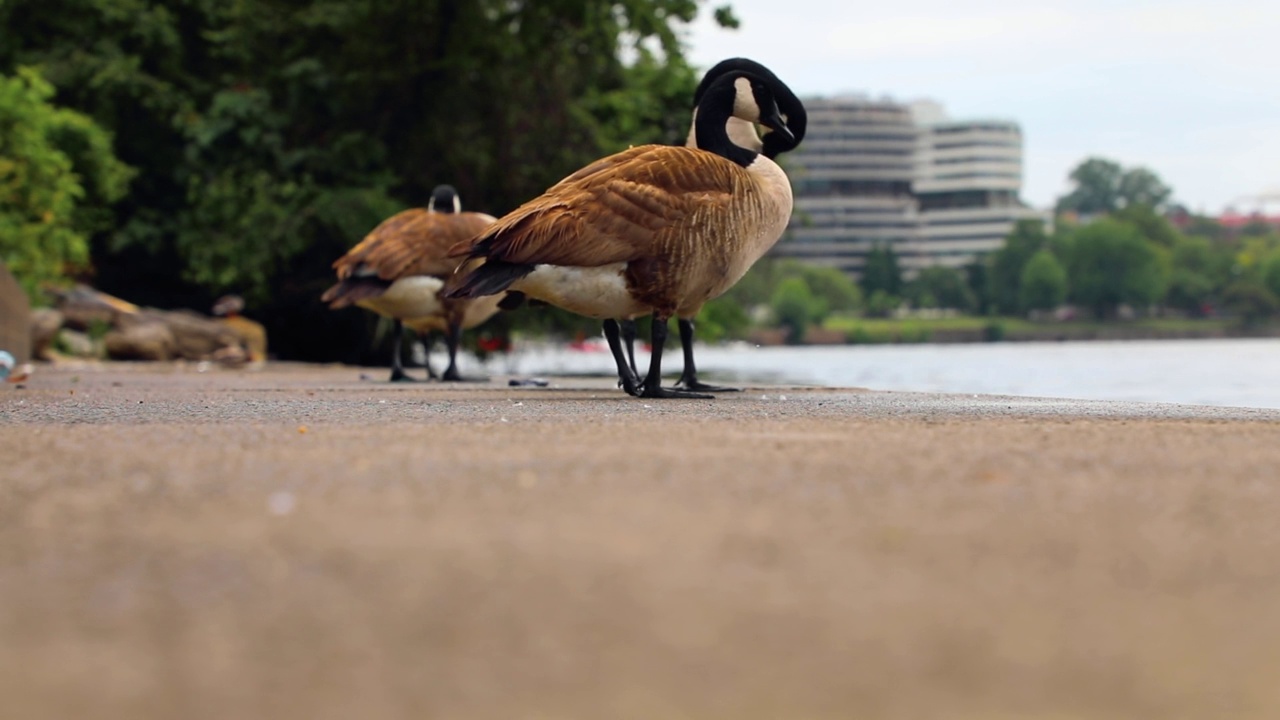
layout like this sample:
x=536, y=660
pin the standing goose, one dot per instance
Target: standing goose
x=654, y=229
x=399, y=268
x=743, y=134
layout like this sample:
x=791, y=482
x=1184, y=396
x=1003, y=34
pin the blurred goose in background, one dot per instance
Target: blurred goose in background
x=399, y=269
x=652, y=230
x=253, y=336
x=743, y=134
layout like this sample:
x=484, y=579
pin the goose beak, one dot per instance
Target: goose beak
x=776, y=123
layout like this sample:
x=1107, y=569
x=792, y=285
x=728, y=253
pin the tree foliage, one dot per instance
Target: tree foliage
x=1006, y=265
x=272, y=134
x=881, y=272
x=1043, y=282
x=1104, y=186
x=830, y=285
x=940, y=287
x=1271, y=273
x=1111, y=264
x=58, y=176
x=1199, y=269
x=1251, y=301
x=796, y=307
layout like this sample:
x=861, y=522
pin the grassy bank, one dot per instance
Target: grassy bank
x=860, y=330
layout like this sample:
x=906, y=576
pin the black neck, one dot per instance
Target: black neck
x=709, y=128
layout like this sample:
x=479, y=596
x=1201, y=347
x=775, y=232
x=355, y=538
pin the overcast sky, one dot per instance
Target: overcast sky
x=1188, y=89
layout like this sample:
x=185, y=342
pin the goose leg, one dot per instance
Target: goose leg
x=653, y=381
x=628, y=378
x=428, y=342
x=629, y=343
x=689, y=378
x=452, y=338
x=397, y=369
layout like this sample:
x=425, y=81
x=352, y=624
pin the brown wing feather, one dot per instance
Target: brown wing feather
x=413, y=242
x=616, y=209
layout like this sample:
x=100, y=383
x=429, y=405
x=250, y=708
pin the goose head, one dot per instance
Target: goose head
x=444, y=199
x=228, y=305
x=740, y=95
x=789, y=106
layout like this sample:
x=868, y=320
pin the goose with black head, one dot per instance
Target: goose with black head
x=743, y=134
x=652, y=230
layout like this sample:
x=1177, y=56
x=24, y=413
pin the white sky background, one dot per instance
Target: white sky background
x=1188, y=89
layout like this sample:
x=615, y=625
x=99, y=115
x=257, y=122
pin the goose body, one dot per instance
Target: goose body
x=399, y=269
x=742, y=134
x=653, y=229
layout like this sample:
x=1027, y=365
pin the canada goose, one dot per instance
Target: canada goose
x=743, y=134
x=399, y=268
x=654, y=229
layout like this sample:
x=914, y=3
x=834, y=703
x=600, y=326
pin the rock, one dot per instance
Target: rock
x=78, y=344
x=86, y=309
x=45, y=323
x=141, y=341
x=252, y=336
x=199, y=337
x=196, y=337
x=15, y=323
x=233, y=356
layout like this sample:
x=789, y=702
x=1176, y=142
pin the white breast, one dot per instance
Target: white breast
x=776, y=205
x=755, y=222
x=598, y=292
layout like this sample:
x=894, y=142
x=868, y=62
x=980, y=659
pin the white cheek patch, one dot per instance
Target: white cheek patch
x=744, y=101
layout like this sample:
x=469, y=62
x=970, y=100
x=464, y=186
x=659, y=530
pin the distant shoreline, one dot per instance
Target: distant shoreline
x=970, y=329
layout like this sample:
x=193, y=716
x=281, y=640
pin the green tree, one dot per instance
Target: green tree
x=720, y=319
x=1250, y=301
x=1140, y=186
x=1097, y=187
x=881, y=271
x=977, y=277
x=1150, y=224
x=940, y=287
x=272, y=134
x=795, y=307
x=57, y=176
x=1006, y=265
x=882, y=304
x=1271, y=273
x=1198, y=272
x=832, y=287
x=1110, y=264
x=1044, y=282
x=1104, y=186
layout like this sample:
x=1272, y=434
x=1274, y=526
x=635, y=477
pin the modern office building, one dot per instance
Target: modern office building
x=941, y=192
x=852, y=179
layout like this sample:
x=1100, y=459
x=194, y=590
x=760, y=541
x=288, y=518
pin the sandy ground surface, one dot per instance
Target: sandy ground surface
x=299, y=543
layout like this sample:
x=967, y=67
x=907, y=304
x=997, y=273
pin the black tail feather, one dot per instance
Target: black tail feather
x=353, y=290
x=490, y=278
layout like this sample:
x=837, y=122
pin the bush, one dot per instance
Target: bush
x=55, y=166
x=795, y=307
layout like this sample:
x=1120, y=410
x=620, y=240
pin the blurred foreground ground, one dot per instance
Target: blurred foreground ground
x=299, y=543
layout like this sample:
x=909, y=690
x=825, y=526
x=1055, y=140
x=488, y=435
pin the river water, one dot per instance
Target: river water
x=1242, y=373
